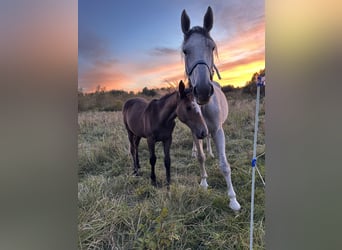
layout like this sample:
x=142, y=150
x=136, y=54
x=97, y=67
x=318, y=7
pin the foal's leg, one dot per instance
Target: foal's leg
x=167, y=159
x=133, y=150
x=136, y=145
x=219, y=139
x=209, y=149
x=151, y=146
x=201, y=160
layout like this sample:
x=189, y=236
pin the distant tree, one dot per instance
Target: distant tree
x=80, y=91
x=228, y=88
x=99, y=89
x=149, y=92
x=117, y=92
x=251, y=86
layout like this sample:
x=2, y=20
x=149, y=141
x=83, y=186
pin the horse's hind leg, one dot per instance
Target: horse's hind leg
x=151, y=146
x=194, y=150
x=134, y=143
x=201, y=159
x=167, y=160
x=219, y=139
x=209, y=150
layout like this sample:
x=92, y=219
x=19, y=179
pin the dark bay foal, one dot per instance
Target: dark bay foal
x=155, y=121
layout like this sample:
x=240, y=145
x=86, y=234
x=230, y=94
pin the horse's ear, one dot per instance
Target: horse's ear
x=185, y=21
x=208, y=19
x=181, y=89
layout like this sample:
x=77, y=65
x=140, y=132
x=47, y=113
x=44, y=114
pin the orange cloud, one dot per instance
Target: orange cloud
x=242, y=56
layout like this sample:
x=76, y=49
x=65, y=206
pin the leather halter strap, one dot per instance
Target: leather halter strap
x=189, y=71
x=211, y=71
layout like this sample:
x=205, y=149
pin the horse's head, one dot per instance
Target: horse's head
x=198, y=48
x=189, y=112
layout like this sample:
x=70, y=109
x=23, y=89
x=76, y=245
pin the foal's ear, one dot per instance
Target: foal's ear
x=208, y=19
x=181, y=89
x=185, y=21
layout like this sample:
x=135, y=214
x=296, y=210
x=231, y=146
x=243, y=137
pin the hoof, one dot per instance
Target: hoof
x=204, y=184
x=136, y=173
x=234, y=205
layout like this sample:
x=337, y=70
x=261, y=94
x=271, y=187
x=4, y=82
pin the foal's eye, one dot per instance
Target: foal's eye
x=188, y=108
x=184, y=51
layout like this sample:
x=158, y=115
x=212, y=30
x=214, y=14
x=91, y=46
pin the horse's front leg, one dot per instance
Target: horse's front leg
x=209, y=150
x=151, y=147
x=219, y=139
x=194, y=150
x=167, y=159
x=201, y=159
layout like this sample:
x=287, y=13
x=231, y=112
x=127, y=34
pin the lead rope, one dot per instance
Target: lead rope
x=217, y=72
x=260, y=82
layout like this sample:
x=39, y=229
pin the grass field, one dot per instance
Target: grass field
x=119, y=211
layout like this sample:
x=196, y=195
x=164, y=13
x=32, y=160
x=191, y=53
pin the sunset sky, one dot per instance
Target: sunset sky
x=127, y=45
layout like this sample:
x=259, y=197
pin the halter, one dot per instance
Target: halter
x=211, y=71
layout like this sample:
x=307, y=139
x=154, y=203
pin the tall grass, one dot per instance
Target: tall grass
x=120, y=211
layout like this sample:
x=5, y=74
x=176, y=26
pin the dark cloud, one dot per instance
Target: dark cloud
x=91, y=46
x=162, y=51
x=96, y=63
x=234, y=17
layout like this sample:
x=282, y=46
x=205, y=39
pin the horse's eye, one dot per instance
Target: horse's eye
x=184, y=51
x=188, y=108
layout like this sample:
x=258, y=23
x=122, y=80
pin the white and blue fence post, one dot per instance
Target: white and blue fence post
x=260, y=82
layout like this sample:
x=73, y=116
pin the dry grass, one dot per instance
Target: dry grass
x=119, y=211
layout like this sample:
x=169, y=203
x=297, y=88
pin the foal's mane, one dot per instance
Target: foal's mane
x=161, y=101
x=166, y=96
x=157, y=103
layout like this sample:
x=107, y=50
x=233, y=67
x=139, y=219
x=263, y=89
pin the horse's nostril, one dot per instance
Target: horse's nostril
x=195, y=91
x=203, y=134
x=211, y=90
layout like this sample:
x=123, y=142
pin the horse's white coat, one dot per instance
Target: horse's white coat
x=215, y=112
x=200, y=48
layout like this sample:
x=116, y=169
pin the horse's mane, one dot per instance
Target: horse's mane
x=154, y=103
x=164, y=97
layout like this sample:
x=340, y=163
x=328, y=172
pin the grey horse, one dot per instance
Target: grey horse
x=198, y=48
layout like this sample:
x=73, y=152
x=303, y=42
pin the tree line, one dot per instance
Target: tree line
x=113, y=100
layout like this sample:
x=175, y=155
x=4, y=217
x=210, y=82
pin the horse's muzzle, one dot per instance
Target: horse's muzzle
x=202, y=96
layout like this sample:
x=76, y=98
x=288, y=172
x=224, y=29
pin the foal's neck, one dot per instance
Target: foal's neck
x=168, y=108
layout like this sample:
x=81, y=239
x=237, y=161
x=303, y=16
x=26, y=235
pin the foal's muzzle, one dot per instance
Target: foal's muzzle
x=202, y=134
x=202, y=95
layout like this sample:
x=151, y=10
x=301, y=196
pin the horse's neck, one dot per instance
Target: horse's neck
x=168, y=108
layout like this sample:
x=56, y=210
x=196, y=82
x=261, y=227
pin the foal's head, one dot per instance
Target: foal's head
x=189, y=112
x=198, y=48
